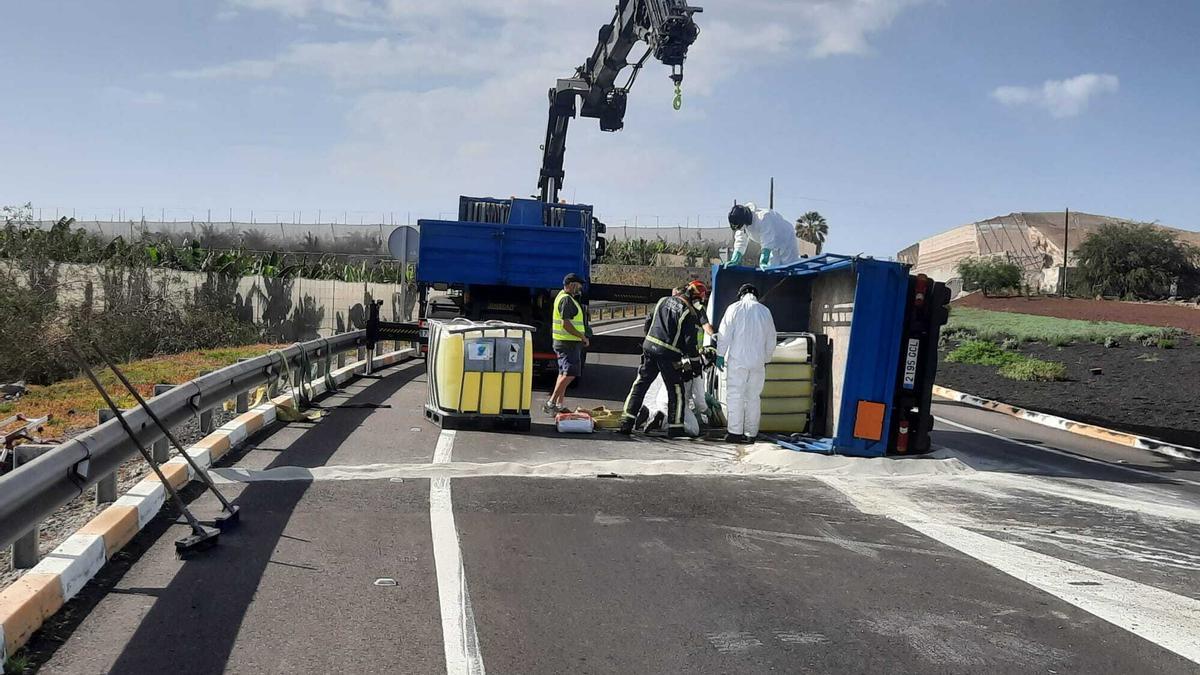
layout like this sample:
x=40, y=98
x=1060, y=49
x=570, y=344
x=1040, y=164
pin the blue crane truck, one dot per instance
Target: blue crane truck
x=506, y=259
x=873, y=325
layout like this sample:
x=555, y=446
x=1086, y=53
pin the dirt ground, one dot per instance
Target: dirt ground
x=1144, y=390
x=1184, y=317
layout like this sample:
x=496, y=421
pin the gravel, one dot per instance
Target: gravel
x=70, y=517
x=1139, y=389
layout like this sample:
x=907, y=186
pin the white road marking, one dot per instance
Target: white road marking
x=733, y=642
x=459, y=637
x=1167, y=619
x=617, y=330
x=445, y=447
x=1055, y=451
x=805, y=465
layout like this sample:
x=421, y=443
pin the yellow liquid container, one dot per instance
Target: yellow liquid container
x=787, y=396
x=480, y=372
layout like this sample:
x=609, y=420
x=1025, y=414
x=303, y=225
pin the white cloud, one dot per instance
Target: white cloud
x=1061, y=98
x=302, y=8
x=827, y=27
x=355, y=62
x=144, y=99
x=452, y=93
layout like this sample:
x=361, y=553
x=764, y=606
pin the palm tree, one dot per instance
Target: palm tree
x=811, y=227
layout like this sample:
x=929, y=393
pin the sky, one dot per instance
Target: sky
x=895, y=119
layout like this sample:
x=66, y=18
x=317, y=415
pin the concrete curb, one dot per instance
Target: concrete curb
x=45, y=588
x=1071, y=426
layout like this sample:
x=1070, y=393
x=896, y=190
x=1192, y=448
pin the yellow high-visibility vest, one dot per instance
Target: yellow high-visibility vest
x=560, y=333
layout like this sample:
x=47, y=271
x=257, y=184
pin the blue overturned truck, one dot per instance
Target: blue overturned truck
x=874, y=326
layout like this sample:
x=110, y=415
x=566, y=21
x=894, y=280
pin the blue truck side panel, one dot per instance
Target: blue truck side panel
x=534, y=256
x=873, y=359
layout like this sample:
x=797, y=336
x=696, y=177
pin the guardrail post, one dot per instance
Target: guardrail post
x=161, y=450
x=242, y=402
x=26, y=551
x=341, y=360
x=106, y=488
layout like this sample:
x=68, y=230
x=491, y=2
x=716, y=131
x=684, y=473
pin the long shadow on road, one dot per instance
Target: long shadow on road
x=194, y=623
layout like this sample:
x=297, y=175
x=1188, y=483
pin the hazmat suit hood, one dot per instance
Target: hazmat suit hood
x=772, y=231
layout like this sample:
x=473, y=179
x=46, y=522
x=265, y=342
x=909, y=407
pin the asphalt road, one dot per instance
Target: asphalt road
x=410, y=550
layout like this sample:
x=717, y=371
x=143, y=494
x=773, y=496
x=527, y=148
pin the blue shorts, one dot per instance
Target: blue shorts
x=570, y=358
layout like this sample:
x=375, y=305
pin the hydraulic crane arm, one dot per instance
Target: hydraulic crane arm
x=666, y=26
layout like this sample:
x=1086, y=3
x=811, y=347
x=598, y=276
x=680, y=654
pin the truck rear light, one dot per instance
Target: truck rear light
x=922, y=288
x=545, y=356
x=902, y=437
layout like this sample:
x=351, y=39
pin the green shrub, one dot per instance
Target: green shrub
x=1034, y=370
x=991, y=275
x=1010, y=344
x=982, y=353
x=1111, y=342
x=1059, y=341
x=1166, y=343
x=1133, y=261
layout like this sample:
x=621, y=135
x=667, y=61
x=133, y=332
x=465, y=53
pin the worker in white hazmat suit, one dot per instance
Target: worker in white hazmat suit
x=694, y=404
x=746, y=346
x=774, y=234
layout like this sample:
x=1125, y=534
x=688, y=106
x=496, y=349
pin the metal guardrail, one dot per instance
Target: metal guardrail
x=630, y=311
x=33, y=491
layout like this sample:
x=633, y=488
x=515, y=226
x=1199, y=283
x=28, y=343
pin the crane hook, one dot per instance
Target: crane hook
x=678, y=102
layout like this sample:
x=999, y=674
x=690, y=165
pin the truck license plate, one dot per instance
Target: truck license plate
x=910, y=363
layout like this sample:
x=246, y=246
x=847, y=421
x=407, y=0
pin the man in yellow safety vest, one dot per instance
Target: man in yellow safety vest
x=570, y=339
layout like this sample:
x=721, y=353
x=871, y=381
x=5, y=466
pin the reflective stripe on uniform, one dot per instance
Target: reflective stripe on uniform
x=560, y=333
x=673, y=345
x=660, y=343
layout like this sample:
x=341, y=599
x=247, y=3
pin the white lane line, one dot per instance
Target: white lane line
x=617, y=330
x=445, y=447
x=459, y=637
x=1167, y=619
x=1082, y=458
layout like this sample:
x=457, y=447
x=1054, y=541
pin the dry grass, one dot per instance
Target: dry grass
x=74, y=402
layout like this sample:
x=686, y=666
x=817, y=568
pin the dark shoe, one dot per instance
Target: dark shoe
x=676, y=433
x=550, y=408
x=626, y=427
x=736, y=438
x=642, y=416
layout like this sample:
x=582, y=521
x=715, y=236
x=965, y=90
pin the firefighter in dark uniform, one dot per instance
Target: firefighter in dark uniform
x=671, y=350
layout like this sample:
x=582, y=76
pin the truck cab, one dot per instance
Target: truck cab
x=505, y=259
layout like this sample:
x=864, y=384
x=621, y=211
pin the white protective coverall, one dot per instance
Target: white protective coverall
x=747, y=342
x=771, y=230
x=693, y=398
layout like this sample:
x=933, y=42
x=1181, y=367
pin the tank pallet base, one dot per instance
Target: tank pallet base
x=477, y=422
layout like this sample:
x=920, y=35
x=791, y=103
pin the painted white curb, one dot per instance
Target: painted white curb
x=1071, y=426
